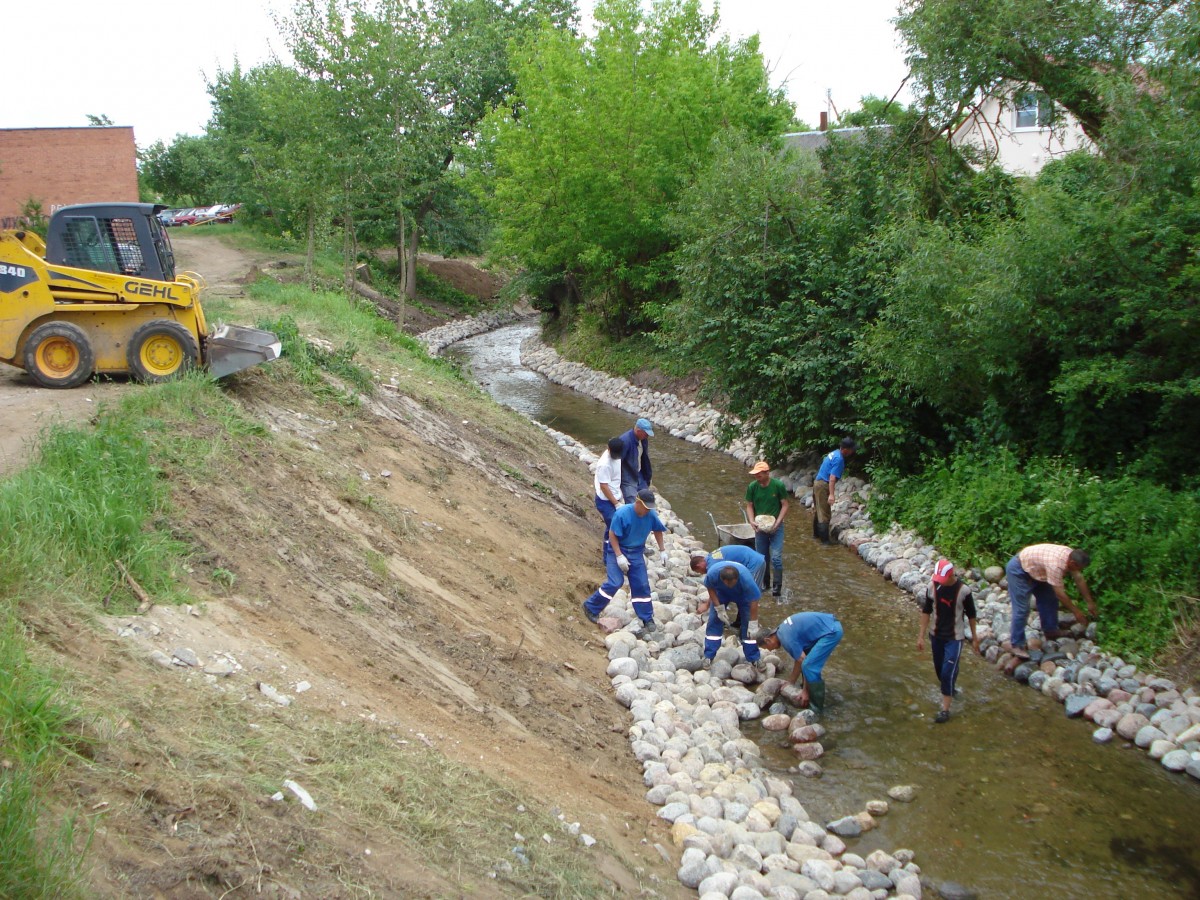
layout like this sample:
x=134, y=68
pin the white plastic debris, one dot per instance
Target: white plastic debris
x=302, y=795
x=271, y=694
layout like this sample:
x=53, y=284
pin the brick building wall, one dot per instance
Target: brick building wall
x=61, y=166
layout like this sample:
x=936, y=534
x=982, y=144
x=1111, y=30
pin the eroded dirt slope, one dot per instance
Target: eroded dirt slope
x=409, y=568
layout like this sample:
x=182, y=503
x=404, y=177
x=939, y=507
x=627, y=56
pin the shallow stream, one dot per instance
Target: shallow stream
x=1013, y=799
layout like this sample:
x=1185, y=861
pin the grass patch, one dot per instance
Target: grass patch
x=90, y=499
x=586, y=343
x=435, y=288
x=455, y=819
x=37, y=857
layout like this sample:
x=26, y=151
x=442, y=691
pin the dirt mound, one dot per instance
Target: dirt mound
x=465, y=275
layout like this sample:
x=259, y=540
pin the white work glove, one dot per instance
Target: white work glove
x=623, y=563
x=752, y=629
x=664, y=557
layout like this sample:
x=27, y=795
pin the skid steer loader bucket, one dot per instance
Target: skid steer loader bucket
x=232, y=348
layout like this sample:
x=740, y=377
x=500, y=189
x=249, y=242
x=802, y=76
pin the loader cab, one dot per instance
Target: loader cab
x=122, y=238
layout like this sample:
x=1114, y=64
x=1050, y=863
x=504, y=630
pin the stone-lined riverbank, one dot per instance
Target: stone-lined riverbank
x=686, y=720
x=1119, y=699
x=742, y=831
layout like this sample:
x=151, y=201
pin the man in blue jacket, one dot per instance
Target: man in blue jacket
x=631, y=525
x=730, y=583
x=635, y=460
x=832, y=468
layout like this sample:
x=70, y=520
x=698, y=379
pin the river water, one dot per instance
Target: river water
x=1013, y=799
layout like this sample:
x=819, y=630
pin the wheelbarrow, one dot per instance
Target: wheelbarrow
x=739, y=533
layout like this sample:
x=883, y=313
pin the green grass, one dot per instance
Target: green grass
x=434, y=288
x=92, y=500
x=586, y=343
x=37, y=856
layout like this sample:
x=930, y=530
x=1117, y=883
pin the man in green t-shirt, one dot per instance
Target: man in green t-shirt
x=767, y=496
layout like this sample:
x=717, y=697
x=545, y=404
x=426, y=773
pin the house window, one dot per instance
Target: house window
x=1034, y=110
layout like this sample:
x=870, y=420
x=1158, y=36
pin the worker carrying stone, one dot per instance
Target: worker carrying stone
x=766, y=507
x=809, y=638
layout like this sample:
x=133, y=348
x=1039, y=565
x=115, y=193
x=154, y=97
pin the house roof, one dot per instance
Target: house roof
x=815, y=140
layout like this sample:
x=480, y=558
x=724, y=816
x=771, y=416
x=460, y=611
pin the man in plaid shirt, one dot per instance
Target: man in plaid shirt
x=1039, y=570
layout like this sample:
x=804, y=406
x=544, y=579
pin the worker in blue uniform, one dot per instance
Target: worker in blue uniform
x=738, y=553
x=809, y=638
x=636, y=470
x=730, y=583
x=631, y=525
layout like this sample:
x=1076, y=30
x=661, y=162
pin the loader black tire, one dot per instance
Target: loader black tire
x=59, y=355
x=161, y=350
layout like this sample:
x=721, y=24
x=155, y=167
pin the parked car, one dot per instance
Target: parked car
x=167, y=217
x=185, y=216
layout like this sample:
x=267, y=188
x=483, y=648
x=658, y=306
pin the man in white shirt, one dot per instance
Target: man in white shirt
x=607, y=482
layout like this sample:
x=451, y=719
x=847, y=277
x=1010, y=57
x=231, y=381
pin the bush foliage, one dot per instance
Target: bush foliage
x=984, y=504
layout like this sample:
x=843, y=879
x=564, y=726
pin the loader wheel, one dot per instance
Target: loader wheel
x=159, y=351
x=59, y=355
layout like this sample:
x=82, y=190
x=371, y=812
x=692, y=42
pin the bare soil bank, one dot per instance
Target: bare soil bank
x=419, y=563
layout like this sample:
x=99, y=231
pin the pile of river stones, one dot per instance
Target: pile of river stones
x=438, y=339
x=743, y=833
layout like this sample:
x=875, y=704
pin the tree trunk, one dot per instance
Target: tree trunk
x=310, y=251
x=402, y=261
x=410, y=263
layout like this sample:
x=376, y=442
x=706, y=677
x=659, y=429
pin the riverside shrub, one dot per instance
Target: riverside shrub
x=983, y=505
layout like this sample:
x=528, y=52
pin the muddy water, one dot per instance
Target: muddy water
x=1013, y=799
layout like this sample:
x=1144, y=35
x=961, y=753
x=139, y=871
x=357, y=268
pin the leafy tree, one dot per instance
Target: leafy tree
x=257, y=118
x=874, y=111
x=602, y=135
x=185, y=173
x=958, y=49
x=409, y=83
x=101, y=121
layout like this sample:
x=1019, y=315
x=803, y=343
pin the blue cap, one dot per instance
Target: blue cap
x=645, y=425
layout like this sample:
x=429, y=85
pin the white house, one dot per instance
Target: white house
x=1019, y=131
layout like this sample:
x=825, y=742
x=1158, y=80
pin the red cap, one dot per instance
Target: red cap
x=943, y=572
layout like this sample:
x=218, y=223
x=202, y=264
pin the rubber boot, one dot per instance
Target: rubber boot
x=823, y=532
x=777, y=588
x=816, y=695
x=816, y=527
x=766, y=585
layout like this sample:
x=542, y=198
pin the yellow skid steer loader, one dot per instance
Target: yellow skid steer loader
x=101, y=295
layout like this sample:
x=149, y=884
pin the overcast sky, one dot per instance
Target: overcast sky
x=144, y=62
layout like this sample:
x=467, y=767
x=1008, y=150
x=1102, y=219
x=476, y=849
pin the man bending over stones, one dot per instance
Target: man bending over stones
x=631, y=525
x=809, y=638
x=738, y=553
x=950, y=602
x=731, y=583
x=1039, y=570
